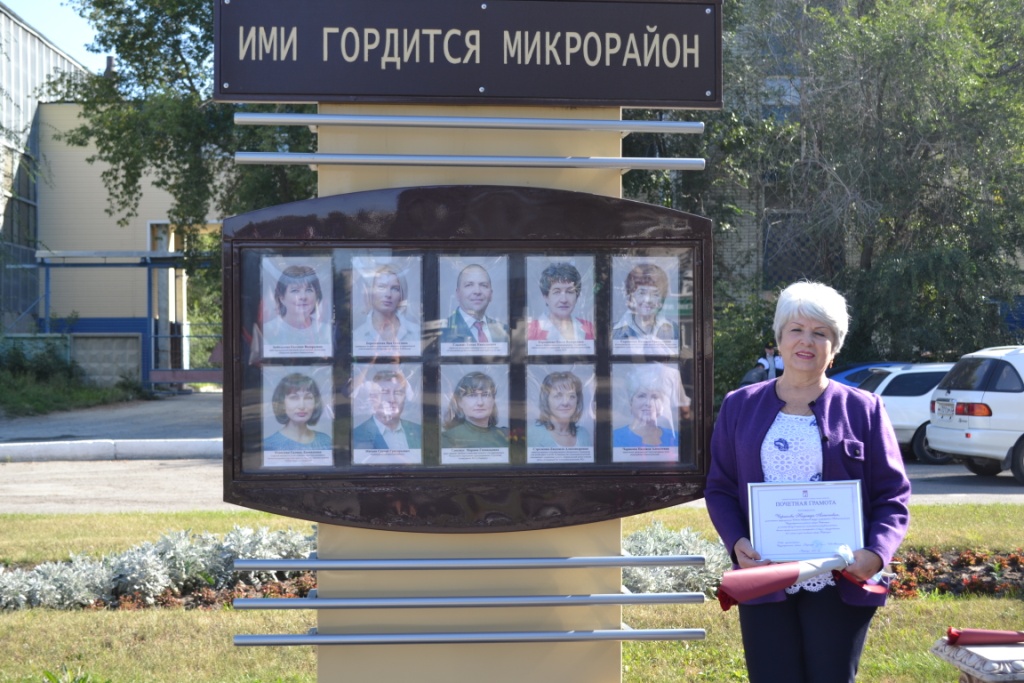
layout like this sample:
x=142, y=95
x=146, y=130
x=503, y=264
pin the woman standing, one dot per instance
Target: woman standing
x=803, y=427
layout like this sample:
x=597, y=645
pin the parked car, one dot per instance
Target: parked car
x=853, y=374
x=906, y=392
x=977, y=411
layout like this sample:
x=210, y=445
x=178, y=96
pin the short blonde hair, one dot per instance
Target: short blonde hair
x=817, y=301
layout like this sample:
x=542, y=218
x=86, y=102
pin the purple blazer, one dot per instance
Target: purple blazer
x=858, y=442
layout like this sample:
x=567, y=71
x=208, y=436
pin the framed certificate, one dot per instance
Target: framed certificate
x=805, y=520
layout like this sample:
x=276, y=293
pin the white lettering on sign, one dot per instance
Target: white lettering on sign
x=274, y=42
x=405, y=46
x=652, y=49
x=455, y=46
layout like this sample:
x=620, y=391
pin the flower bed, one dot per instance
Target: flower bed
x=959, y=572
x=195, y=571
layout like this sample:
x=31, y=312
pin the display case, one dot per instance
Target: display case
x=466, y=358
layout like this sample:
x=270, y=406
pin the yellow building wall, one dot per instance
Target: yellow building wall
x=72, y=217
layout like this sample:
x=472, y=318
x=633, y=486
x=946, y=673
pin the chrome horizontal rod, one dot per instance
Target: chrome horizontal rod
x=482, y=161
x=474, y=637
x=507, y=123
x=312, y=565
x=472, y=601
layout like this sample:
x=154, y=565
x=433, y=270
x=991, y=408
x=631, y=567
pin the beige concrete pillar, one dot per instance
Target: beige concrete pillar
x=597, y=662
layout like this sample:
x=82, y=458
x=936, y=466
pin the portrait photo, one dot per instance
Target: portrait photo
x=298, y=416
x=560, y=413
x=473, y=293
x=649, y=404
x=386, y=306
x=387, y=414
x=297, y=307
x=474, y=400
x=560, y=305
x=645, y=306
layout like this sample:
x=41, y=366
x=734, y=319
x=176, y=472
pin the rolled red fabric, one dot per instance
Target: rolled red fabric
x=980, y=636
x=740, y=585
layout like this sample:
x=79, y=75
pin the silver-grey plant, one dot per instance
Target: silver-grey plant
x=56, y=585
x=179, y=561
x=657, y=539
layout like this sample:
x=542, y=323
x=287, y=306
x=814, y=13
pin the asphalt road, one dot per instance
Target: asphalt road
x=181, y=416
x=196, y=484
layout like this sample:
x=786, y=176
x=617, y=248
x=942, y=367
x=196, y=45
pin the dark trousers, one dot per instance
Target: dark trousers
x=809, y=637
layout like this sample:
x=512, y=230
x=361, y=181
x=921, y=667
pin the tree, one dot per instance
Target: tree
x=909, y=167
x=153, y=115
x=888, y=158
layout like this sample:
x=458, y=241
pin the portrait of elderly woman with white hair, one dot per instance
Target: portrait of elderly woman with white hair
x=802, y=427
x=654, y=392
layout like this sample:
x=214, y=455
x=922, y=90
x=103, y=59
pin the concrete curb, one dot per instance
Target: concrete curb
x=110, y=449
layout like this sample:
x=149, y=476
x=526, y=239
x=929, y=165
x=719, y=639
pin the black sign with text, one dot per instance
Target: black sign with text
x=650, y=54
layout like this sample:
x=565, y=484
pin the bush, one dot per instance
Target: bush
x=42, y=363
x=656, y=539
x=178, y=562
x=741, y=330
x=39, y=379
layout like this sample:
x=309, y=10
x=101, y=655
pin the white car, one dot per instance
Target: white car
x=977, y=412
x=906, y=391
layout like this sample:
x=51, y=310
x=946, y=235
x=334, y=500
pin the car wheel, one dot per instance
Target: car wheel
x=1017, y=462
x=924, y=454
x=983, y=467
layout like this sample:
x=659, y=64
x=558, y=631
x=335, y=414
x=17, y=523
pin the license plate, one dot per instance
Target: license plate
x=945, y=408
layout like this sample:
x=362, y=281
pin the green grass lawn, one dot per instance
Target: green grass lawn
x=173, y=645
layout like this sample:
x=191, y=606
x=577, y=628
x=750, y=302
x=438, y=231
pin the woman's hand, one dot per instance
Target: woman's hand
x=865, y=564
x=746, y=556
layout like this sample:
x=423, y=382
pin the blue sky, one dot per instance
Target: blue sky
x=61, y=26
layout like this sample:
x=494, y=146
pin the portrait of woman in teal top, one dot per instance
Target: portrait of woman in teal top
x=297, y=405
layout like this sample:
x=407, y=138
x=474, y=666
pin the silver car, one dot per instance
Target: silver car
x=906, y=392
x=977, y=412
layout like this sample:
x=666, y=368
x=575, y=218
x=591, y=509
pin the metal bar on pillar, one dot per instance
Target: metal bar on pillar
x=506, y=123
x=471, y=601
x=480, y=161
x=315, y=638
x=470, y=563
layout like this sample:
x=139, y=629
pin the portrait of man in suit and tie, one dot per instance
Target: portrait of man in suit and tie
x=469, y=330
x=386, y=437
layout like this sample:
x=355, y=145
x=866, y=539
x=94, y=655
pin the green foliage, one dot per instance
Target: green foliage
x=741, y=329
x=153, y=116
x=43, y=379
x=129, y=384
x=65, y=675
x=890, y=134
x=205, y=305
x=39, y=363
x=910, y=168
